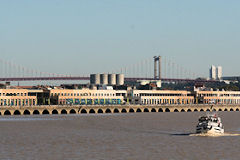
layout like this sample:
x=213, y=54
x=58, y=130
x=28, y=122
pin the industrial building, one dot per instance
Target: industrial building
x=107, y=79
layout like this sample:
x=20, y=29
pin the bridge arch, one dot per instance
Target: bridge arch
x=167, y=110
x=139, y=110
x=92, y=111
x=182, y=110
x=160, y=110
x=201, y=110
x=36, y=112
x=17, y=112
x=100, y=110
x=124, y=110
x=116, y=110
x=225, y=109
x=189, y=110
x=7, y=113
x=153, y=110
x=237, y=109
x=108, y=111
x=63, y=111
x=176, y=110
x=72, y=111
x=131, y=110
x=83, y=111
x=195, y=110
x=45, y=112
x=231, y=110
x=145, y=110
x=219, y=109
x=208, y=110
x=54, y=111
x=26, y=112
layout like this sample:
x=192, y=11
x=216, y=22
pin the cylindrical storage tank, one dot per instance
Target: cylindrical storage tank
x=112, y=79
x=104, y=79
x=120, y=79
x=95, y=79
x=92, y=78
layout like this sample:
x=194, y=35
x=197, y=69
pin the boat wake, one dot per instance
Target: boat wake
x=215, y=134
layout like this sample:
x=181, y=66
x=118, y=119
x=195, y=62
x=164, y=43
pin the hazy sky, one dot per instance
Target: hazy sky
x=85, y=36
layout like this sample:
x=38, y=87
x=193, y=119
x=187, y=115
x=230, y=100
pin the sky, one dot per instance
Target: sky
x=93, y=36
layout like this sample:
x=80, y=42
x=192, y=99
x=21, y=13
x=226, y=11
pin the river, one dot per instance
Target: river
x=131, y=136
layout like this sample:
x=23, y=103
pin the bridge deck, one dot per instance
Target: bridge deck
x=64, y=109
x=88, y=78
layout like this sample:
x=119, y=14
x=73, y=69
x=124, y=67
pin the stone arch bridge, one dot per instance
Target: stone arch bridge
x=92, y=109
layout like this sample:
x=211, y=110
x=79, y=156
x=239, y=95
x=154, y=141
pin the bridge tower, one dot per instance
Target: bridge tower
x=157, y=67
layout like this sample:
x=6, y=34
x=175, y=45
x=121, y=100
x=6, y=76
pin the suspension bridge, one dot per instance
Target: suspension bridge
x=157, y=68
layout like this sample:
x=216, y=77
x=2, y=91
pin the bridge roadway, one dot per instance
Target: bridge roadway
x=88, y=78
x=97, y=109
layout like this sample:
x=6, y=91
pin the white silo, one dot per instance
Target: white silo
x=120, y=79
x=104, y=79
x=112, y=79
x=95, y=79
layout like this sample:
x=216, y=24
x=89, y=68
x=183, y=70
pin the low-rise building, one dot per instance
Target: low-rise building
x=18, y=97
x=218, y=97
x=58, y=96
x=87, y=96
x=157, y=97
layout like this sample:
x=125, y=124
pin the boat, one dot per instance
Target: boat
x=210, y=123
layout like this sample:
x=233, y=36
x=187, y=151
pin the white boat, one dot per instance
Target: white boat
x=210, y=123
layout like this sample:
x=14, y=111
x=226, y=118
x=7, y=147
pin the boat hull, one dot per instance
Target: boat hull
x=210, y=130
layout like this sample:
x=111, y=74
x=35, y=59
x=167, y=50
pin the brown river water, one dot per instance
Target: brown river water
x=137, y=136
